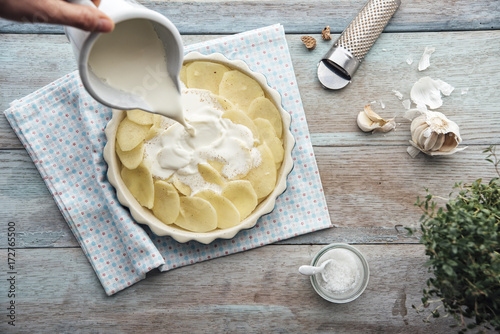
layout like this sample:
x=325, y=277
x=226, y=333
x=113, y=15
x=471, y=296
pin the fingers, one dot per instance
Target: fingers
x=82, y=17
x=58, y=12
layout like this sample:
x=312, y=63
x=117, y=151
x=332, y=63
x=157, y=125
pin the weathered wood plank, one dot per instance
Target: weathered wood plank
x=331, y=114
x=257, y=291
x=369, y=191
x=226, y=17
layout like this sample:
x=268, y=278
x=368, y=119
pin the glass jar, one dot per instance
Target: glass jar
x=345, y=278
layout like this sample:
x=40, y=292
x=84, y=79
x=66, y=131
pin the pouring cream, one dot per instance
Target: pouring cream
x=132, y=59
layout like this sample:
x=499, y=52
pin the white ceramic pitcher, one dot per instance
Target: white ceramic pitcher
x=119, y=11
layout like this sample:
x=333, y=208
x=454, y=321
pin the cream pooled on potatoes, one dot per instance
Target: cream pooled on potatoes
x=215, y=177
x=175, y=152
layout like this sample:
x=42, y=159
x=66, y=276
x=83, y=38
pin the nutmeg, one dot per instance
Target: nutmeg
x=309, y=42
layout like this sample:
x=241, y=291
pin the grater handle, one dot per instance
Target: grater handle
x=339, y=64
x=367, y=26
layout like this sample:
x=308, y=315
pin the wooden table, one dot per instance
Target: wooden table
x=370, y=182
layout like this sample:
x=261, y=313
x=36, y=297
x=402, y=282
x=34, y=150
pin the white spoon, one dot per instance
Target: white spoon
x=312, y=270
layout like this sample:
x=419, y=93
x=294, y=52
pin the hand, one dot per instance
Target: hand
x=58, y=12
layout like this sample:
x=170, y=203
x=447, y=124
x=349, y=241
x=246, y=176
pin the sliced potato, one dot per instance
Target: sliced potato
x=210, y=174
x=239, y=117
x=181, y=187
x=217, y=165
x=131, y=159
x=268, y=136
x=140, y=116
x=156, y=128
x=196, y=215
x=240, y=89
x=263, y=177
x=205, y=75
x=183, y=74
x=130, y=134
x=242, y=195
x=224, y=102
x=262, y=107
x=139, y=182
x=166, y=202
x=227, y=214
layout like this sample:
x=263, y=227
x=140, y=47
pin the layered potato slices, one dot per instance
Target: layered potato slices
x=244, y=102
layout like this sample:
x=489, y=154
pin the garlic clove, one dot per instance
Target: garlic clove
x=451, y=142
x=430, y=141
x=388, y=126
x=439, y=143
x=365, y=123
x=417, y=129
x=372, y=115
x=368, y=121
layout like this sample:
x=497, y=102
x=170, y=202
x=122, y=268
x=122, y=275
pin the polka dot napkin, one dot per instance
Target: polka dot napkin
x=62, y=128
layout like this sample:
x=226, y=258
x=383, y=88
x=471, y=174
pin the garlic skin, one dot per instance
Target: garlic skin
x=369, y=121
x=434, y=134
x=427, y=92
x=425, y=62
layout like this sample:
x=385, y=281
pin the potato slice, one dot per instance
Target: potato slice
x=224, y=102
x=183, y=74
x=242, y=195
x=210, y=174
x=139, y=182
x=130, y=134
x=217, y=165
x=262, y=107
x=268, y=136
x=240, y=89
x=140, y=116
x=263, y=177
x=196, y=215
x=239, y=117
x=181, y=187
x=156, y=128
x=227, y=214
x=166, y=202
x=131, y=159
x=205, y=75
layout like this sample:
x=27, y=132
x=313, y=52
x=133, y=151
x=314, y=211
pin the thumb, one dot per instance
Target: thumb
x=82, y=17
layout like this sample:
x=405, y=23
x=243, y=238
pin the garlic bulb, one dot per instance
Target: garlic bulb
x=434, y=134
x=368, y=121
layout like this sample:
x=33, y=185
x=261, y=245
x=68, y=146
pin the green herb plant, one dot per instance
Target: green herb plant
x=463, y=245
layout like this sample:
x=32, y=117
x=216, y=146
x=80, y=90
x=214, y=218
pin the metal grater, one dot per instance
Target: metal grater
x=339, y=64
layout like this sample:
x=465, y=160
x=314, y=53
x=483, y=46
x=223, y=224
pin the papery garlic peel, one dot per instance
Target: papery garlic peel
x=427, y=92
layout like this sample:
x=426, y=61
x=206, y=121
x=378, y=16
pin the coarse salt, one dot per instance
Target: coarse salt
x=343, y=273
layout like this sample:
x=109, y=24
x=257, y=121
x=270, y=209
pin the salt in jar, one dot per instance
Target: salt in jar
x=346, y=275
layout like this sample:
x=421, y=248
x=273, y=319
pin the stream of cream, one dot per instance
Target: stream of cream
x=132, y=59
